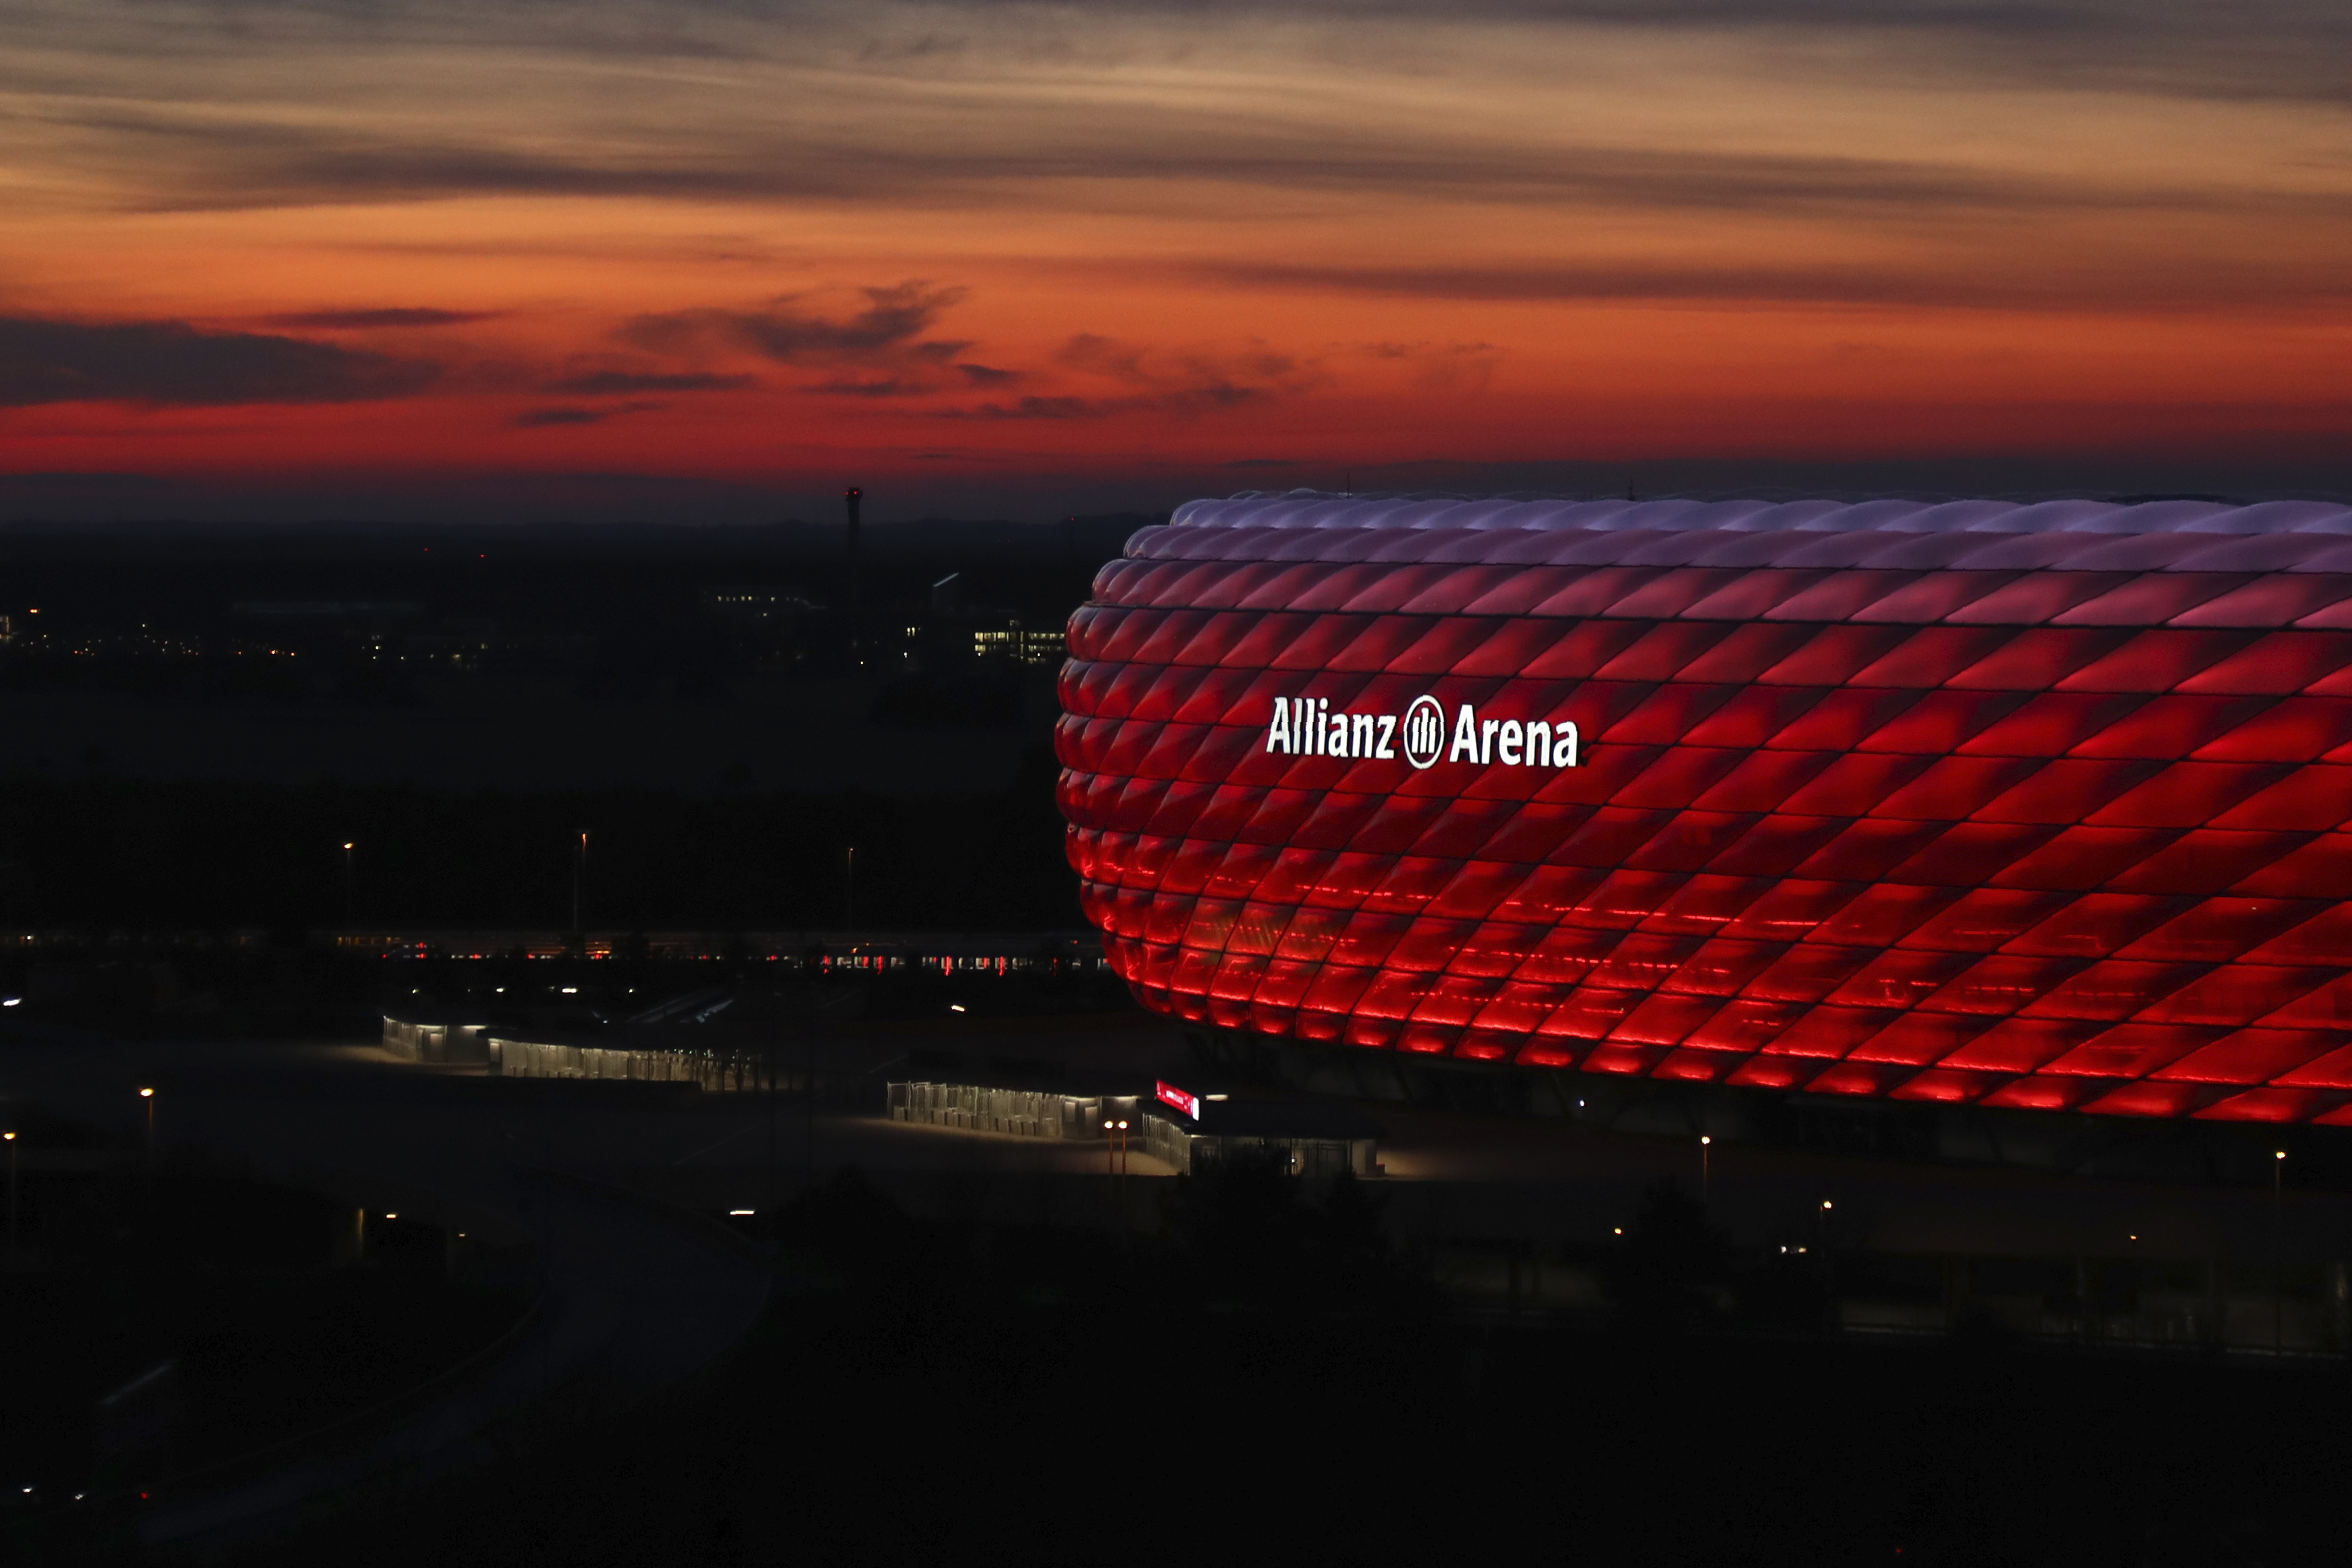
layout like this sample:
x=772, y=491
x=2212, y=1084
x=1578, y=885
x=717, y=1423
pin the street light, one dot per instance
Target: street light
x=1115, y=1164
x=10, y=1139
x=349, y=918
x=149, y=1095
x=2278, y=1252
x=1704, y=1144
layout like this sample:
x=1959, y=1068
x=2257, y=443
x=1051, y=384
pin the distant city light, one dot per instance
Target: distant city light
x=955, y=1007
x=740, y=1212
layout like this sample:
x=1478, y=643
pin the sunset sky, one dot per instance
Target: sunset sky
x=384, y=259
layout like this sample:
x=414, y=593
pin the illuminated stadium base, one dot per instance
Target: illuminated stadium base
x=2033, y=806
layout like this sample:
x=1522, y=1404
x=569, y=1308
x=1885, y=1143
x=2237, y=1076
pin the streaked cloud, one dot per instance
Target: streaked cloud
x=364, y=320
x=173, y=363
x=569, y=415
x=602, y=384
x=890, y=324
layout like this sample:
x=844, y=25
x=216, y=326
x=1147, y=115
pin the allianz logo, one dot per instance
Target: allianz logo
x=1305, y=726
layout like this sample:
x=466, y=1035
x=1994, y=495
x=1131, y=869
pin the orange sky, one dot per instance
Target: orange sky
x=1014, y=257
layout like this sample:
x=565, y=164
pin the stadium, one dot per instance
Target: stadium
x=2038, y=806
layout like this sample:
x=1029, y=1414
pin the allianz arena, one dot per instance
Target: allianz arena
x=2038, y=806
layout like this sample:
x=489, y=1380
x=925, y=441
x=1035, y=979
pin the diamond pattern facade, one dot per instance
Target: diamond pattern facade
x=2040, y=806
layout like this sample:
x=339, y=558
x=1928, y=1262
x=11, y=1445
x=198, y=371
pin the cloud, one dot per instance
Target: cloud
x=1183, y=402
x=1024, y=160
x=2049, y=283
x=892, y=320
x=878, y=343
x=2262, y=47
x=173, y=363
x=1456, y=368
x=367, y=320
x=564, y=414
x=602, y=383
x=1176, y=384
x=889, y=386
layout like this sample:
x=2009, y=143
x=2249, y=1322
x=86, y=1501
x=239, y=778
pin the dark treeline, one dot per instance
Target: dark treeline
x=611, y=580
x=120, y=855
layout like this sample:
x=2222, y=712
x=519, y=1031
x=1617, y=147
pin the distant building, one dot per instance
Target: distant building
x=757, y=603
x=1021, y=645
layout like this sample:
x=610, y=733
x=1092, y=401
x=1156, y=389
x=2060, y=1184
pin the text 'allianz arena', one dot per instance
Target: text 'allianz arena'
x=2043, y=805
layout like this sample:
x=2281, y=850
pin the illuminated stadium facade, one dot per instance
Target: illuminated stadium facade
x=2039, y=806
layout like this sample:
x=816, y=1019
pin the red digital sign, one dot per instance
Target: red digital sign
x=2044, y=806
x=1188, y=1103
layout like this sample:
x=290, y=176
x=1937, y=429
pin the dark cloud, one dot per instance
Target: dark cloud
x=1180, y=385
x=889, y=386
x=881, y=349
x=1183, y=402
x=365, y=320
x=46, y=361
x=562, y=414
x=892, y=320
x=605, y=383
x=2054, y=283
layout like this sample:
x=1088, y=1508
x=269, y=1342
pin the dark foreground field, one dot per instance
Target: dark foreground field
x=1265, y=1381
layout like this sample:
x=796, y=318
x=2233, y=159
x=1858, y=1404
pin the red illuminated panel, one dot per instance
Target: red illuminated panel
x=2039, y=808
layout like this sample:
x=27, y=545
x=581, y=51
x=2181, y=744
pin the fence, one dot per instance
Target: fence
x=718, y=1071
x=1024, y=1112
x=1191, y=1149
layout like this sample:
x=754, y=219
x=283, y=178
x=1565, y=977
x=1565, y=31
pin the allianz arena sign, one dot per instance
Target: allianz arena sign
x=2043, y=806
x=1308, y=726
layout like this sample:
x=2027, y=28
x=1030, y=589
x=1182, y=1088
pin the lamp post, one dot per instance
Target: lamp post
x=1115, y=1166
x=1703, y=1144
x=149, y=1095
x=10, y=1139
x=349, y=880
x=1118, y=1181
x=2278, y=1252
